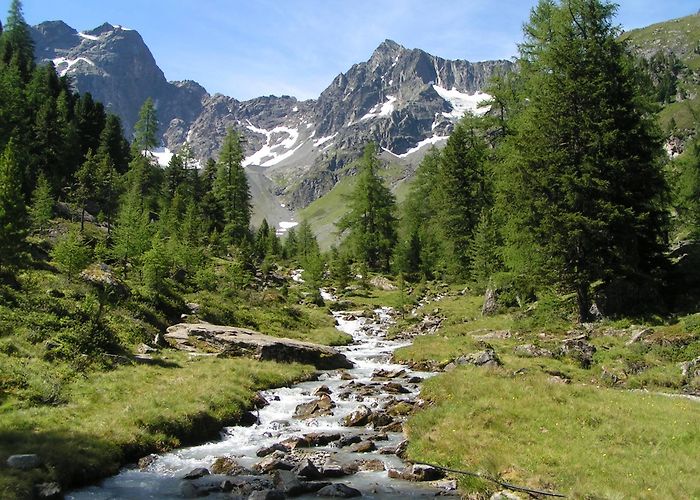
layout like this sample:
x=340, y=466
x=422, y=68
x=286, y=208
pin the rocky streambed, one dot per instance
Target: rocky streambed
x=338, y=436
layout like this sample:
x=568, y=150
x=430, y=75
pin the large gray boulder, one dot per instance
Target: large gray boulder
x=232, y=341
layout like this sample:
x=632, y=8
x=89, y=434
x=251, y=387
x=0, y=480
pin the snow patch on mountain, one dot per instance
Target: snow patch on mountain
x=462, y=102
x=88, y=37
x=381, y=109
x=425, y=142
x=162, y=156
x=323, y=140
x=277, y=147
x=63, y=65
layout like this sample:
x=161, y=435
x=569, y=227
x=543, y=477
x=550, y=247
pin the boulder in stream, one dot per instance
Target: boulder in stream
x=359, y=417
x=232, y=341
x=339, y=490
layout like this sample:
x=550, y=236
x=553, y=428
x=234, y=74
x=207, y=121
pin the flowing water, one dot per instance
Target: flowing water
x=370, y=352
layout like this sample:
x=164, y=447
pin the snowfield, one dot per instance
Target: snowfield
x=381, y=109
x=275, y=149
x=64, y=65
x=462, y=102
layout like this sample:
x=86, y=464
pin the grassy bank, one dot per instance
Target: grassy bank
x=583, y=441
x=110, y=418
x=552, y=422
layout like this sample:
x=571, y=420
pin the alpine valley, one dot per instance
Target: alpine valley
x=403, y=99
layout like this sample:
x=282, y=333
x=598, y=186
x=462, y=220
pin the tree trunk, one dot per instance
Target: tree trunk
x=583, y=301
x=82, y=219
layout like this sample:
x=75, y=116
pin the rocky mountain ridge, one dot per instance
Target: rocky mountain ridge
x=401, y=98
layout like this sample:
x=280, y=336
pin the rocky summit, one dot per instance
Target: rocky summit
x=403, y=99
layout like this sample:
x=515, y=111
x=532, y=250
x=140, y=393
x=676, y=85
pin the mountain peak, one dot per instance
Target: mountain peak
x=388, y=47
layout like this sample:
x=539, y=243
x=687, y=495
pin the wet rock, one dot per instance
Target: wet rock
x=197, y=473
x=307, y=469
x=319, y=439
x=388, y=374
x=317, y=408
x=395, y=388
x=259, y=401
x=415, y=380
x=263, y=452
x=401, y=449
x=333, y=468
x=392, y=427
x=374, y=465
x=287, y=482
x=48, y=491
x=273, y=462
x=418, y=473
x=339, y=490
x=189, y=490
x=363, y=447
x=400, y=408
x=532, y=351
x=324, y=389
x=346, y=376
x=349, y=440
x=446, y=484
x=24, y=462
x=357, y=418
x=379, y=420
x=145, y=462
x=227, y=466
x=267, y=495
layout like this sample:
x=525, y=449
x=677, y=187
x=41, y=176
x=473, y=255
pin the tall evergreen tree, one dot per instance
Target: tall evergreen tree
x=13, y=216
x=146, y=128
x=41, y=209
x=132, y=231
x=114, y=145
x=16, y=44
x=463, y=192
x=231, y=189
x=370, y=222
x=581, y=188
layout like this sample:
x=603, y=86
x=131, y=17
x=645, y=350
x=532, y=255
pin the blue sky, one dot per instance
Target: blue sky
x=260, y=47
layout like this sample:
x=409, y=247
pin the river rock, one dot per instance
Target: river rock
x=363, y=447
x=357, y=418
x=395, y=388
x=417, y=472
x=399, y=409
x=287, y=482
x=319, y=439
x=24, y=462
x=349, y=440
x=339, y=490
x=373, y=465
x=268, y=450
x=273, y=462
x=307, y=470
x=232, y=341
x=333, y=468
x=324, y=389
x=227, y=466
x=316, y=408
x=267, y=495
x=401, y=449
x=197, y=473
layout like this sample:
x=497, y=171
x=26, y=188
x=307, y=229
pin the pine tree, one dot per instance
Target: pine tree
x=463, y=192
x=175, y=175
x=13, y=216
x=132, y=233
x=580, y=188
x=86, y=185
x=71, y=254
x=16, y=44
x=41, y=209
x=307, y=245
x=370, y=222
x=231, y=189
x=114, y=145
x=146, y=128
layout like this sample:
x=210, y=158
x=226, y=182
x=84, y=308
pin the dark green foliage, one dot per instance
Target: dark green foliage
x=581, y=188
x=41, y=209
x=16, y=44
x=113, y=145
x=370, y=222
x=687, y=191
x=13, y=215
x=231, y=189
x=146, y=128
x=132, y=234
x=72, y=254
x=484, y=251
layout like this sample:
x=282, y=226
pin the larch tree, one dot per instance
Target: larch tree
x=581, y=185
x=370, y=222
x=146, y=128
x=231, y=189
x=13, y=215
